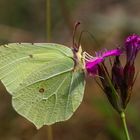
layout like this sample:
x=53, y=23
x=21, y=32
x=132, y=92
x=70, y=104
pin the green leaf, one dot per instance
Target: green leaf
x=42, y=80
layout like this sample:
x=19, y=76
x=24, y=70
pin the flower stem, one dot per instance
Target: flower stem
x=48, y=19
x=49, y=133
x=122, y=115
x=48, y=30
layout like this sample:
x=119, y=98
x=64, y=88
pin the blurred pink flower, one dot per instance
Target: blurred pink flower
x=92, y=64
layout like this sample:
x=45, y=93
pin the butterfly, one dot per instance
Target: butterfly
x=46, y=80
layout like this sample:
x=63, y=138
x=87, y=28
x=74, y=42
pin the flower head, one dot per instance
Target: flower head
x=132, y=45
x=117, y=82
x=92, y=62
x=123, y=77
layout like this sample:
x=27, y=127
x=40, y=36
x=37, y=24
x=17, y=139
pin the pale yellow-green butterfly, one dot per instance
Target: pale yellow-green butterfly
x=46, y=80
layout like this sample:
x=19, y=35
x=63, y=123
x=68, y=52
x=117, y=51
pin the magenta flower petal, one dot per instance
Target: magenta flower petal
x=114, y=52
x=133, y=40
x=91, y=65
x=132, y=45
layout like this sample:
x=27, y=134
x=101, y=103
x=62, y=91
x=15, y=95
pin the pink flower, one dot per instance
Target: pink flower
x=132, y=45
x=92, y=64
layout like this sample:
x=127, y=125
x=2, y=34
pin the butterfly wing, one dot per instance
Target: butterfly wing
x=41, y=78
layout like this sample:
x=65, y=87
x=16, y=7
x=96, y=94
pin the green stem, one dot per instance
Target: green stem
x=122, y=114
x=49, y=133
x=48, y=19
x=48, y=29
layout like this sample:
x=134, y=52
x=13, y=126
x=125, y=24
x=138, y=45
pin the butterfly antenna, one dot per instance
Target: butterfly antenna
x=74, y=33
x=93, y=37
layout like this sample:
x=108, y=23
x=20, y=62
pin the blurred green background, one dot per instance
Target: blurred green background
x=110, y=21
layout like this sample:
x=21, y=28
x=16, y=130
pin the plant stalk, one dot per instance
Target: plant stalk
x=48, y=19
x=48, y=30
x=49, y=133
x=123, y=118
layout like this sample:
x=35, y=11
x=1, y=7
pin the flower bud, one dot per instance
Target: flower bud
x=117, y=74
x=109, y=88
x=129, y=72
x=132, y=46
